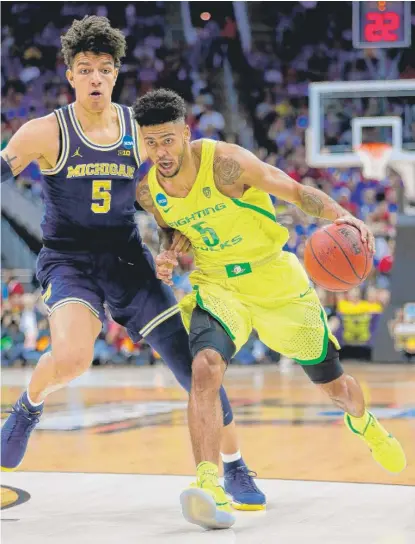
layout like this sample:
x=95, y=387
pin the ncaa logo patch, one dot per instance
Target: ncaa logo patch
x=206, y=192
x=161, y=200
x=128, y=142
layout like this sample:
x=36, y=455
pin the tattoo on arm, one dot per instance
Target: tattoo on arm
x=16, y=169
x=310, y=202
x=144, y=197
x=318, y=204
x=226, y=170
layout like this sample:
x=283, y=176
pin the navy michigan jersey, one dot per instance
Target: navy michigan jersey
x=89, y=195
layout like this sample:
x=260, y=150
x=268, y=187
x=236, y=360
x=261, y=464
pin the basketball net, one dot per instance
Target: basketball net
x=375, y=157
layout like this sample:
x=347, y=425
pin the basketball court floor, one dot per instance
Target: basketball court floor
x=112, y=455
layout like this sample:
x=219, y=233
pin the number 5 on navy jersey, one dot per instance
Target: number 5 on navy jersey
x=101, y=194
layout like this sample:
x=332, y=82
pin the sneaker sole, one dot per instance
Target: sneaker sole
x=247, y=507
x=11, y=469
x=200, y=508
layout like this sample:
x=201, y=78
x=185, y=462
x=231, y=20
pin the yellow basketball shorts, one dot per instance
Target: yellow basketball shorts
x=275, y=298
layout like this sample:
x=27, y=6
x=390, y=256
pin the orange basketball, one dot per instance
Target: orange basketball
x=336, y=259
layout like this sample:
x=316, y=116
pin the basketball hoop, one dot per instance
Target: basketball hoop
x=375, y=157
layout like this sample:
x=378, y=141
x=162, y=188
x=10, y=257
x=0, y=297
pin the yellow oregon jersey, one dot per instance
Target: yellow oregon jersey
x=243, y=278
x=223, y=230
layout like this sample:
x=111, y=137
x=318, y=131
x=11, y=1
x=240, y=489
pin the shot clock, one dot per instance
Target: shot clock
x=381, y=24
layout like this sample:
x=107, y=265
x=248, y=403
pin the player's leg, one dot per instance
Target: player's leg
x=213, y=341
x=171, y=342
x=345, y=392
x=239, y=480
x=74, y=325
x=73, y=329
x=212, y=349
x=298, y=329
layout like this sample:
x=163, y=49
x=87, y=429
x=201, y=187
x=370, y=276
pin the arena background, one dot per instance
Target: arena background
x=245, y=79
x=246, y=70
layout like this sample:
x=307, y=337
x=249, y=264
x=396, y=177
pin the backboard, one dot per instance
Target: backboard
x=345, y=114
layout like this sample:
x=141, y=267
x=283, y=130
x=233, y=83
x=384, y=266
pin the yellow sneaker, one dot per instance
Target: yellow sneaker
x=385, y=449
x=204, y=502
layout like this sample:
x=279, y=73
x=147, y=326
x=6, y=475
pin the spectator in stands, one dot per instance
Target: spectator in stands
x=211, y=119
x=343, y=198
x=368, y=205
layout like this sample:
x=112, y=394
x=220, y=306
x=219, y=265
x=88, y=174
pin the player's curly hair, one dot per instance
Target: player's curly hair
x=93, y=34
x=158, y=107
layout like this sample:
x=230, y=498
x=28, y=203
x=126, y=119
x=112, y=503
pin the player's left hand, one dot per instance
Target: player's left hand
x=180, y=244
x=165, y=263
x=365, y=233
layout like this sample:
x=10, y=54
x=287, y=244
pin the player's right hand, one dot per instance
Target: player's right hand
x=165, y=263
x=180, y=245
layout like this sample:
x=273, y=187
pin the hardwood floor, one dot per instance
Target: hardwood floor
x=133, y=420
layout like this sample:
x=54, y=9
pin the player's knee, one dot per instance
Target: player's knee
x=328, y=372
x=207, y=370
x=71, y=360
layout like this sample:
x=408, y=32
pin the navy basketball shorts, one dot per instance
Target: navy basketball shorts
x=125, y=280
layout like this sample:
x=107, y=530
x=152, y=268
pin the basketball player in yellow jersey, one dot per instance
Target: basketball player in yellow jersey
x=217, y=195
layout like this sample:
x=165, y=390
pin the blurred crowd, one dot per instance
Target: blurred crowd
x=25, y=332
x=273, y=85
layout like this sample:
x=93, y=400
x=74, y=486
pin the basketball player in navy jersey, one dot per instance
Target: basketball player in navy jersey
x=89, y=153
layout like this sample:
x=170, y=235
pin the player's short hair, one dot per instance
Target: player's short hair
x=93, y=34
x=158, y=107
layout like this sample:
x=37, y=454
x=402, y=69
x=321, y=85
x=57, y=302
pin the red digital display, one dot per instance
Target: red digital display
x=381, y=24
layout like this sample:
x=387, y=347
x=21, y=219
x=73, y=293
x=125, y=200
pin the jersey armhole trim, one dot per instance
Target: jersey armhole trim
x=266, y=213
x=136, y=138
x=65, y=146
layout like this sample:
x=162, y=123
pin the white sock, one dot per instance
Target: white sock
x=231, y=457
x=34, y=404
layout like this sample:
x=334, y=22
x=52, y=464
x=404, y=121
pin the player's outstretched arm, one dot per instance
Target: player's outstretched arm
x=33, y=141
x=245, y=169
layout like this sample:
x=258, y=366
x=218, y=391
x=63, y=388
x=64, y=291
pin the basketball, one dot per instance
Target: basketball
x=336, y=258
